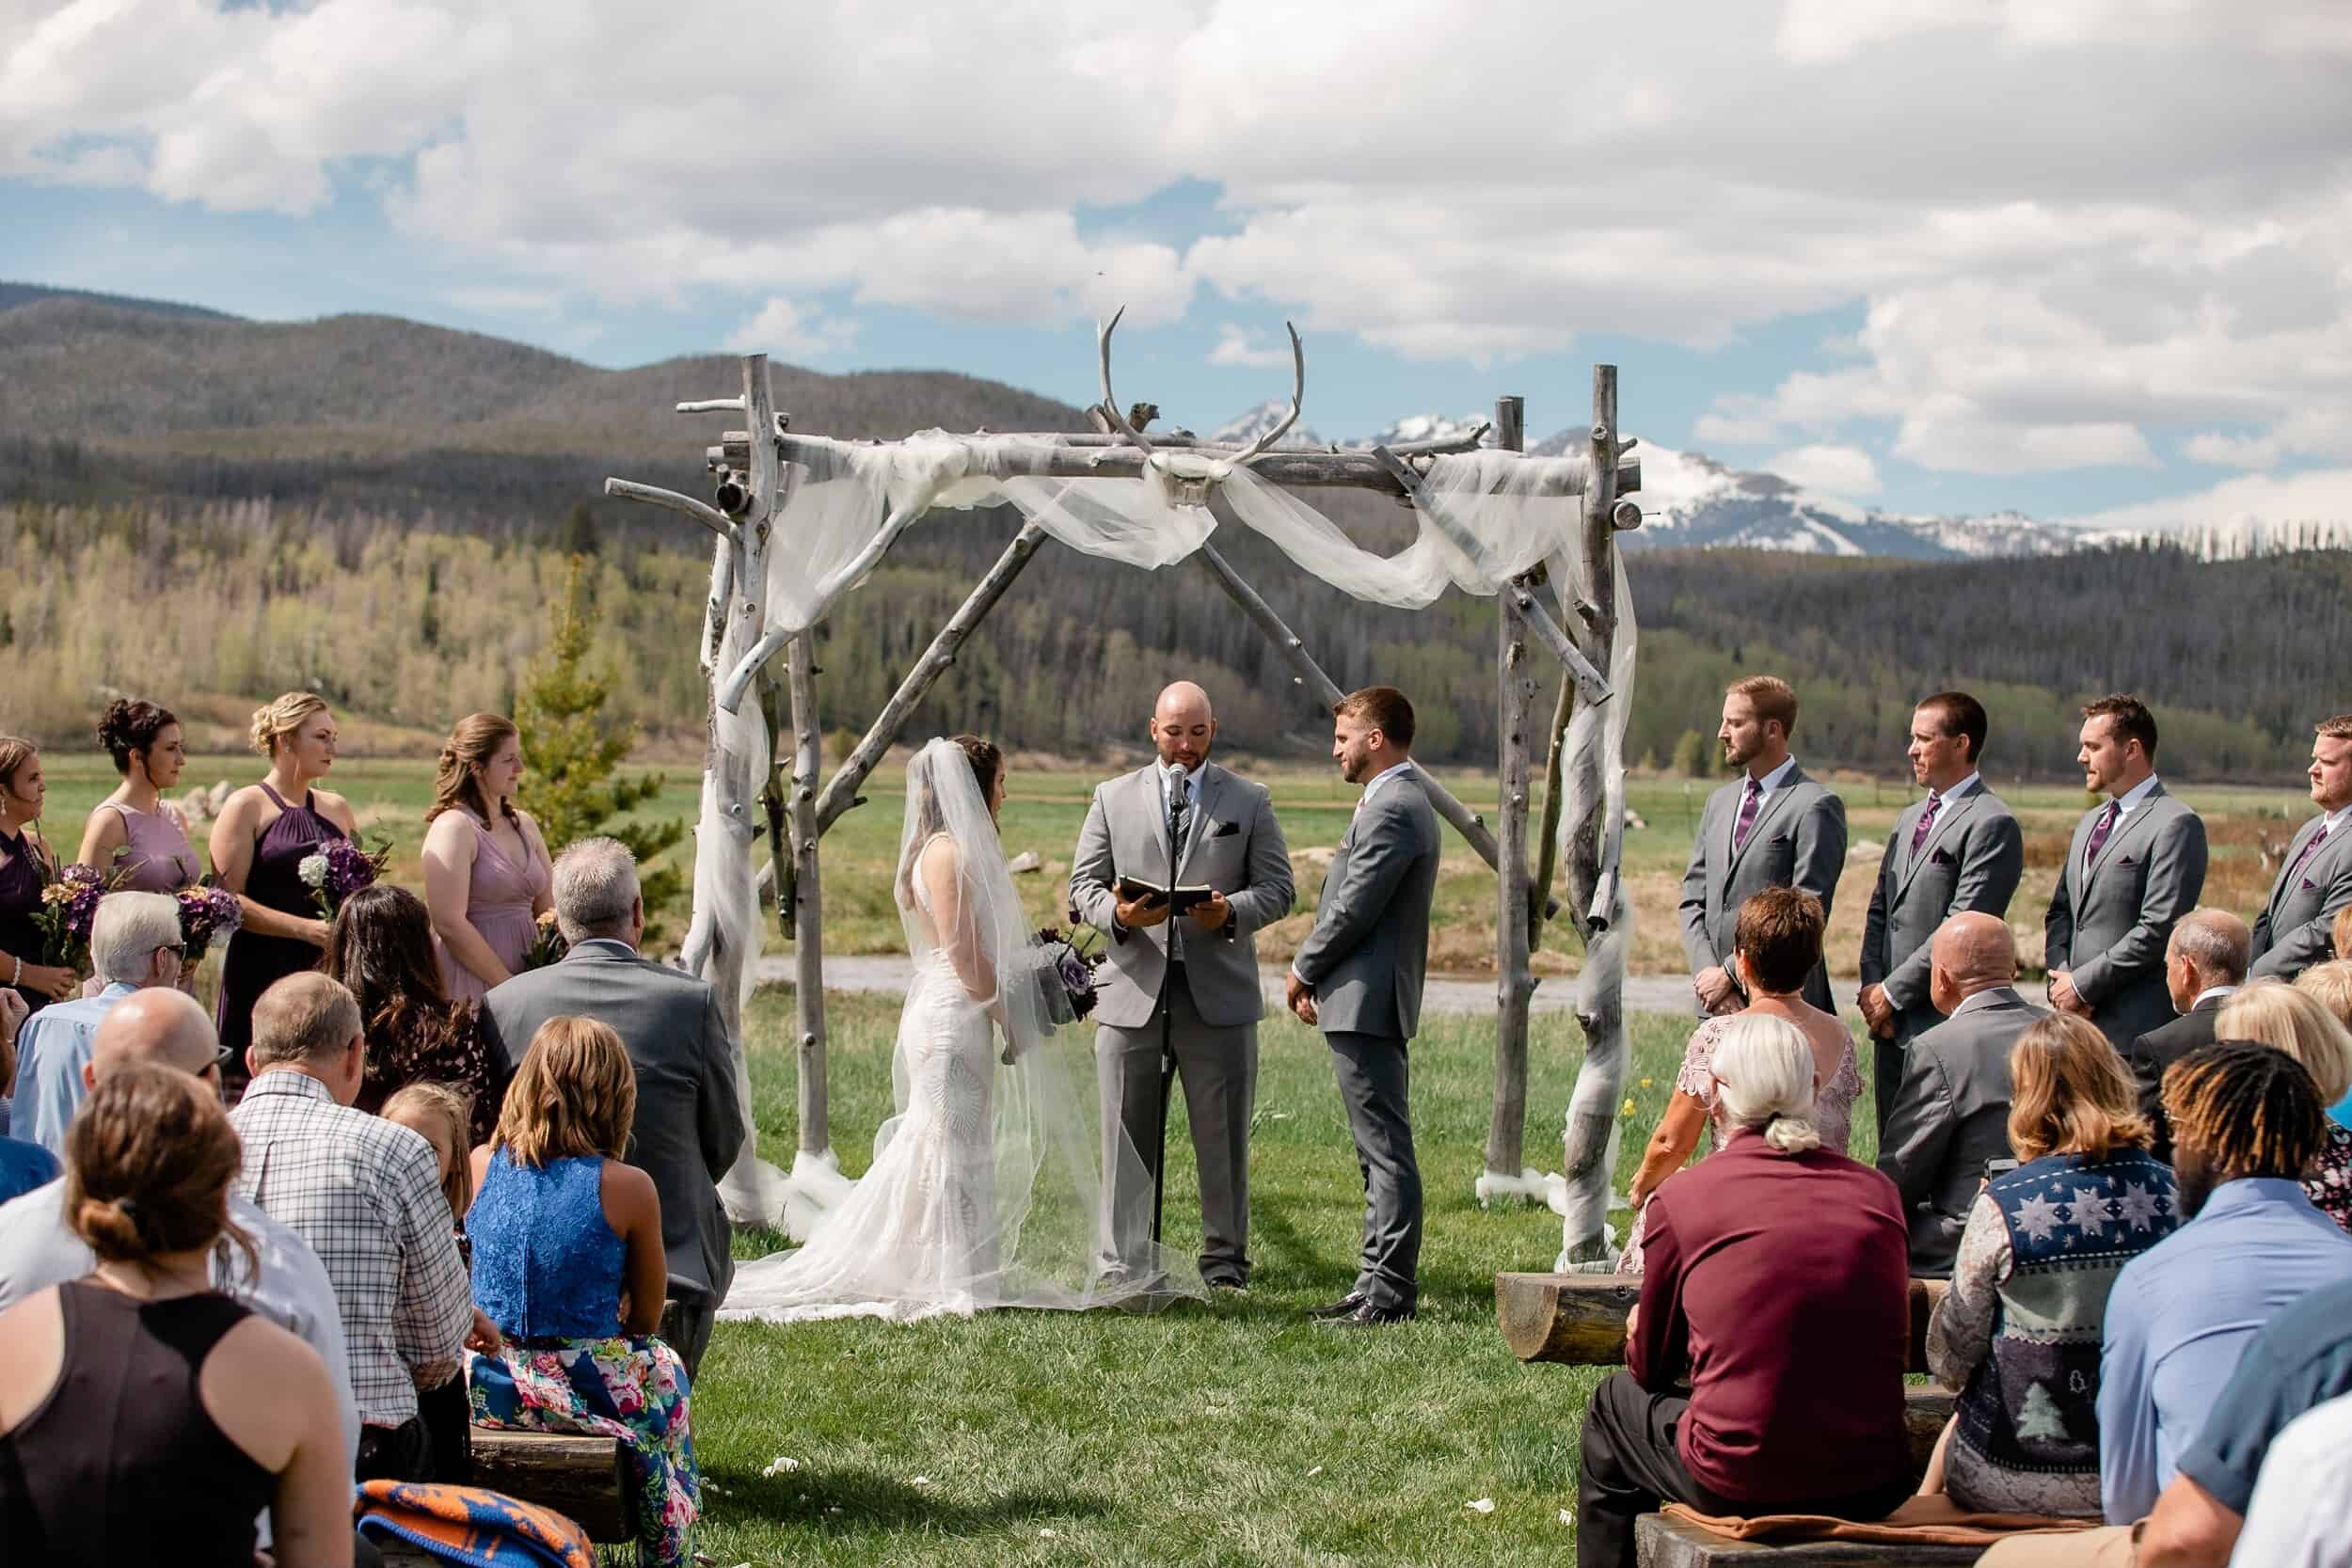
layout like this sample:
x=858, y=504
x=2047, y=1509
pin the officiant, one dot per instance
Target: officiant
x=1179, y=864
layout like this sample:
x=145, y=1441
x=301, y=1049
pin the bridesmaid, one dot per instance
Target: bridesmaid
x=486, y=875
x=132, y=822
x=26, y=866
x=261, y=836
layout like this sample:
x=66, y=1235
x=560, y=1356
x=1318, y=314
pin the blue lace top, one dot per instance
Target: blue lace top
x=546, y=1264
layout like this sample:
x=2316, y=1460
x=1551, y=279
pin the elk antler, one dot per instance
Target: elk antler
x=1110, y=403
x=1298, y=389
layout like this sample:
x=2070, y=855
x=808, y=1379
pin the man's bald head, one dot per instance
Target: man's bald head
x=160, y=1025
x=2209, y=947
x=1971, y=952
x=1182, y=725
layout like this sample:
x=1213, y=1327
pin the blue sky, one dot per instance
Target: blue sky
x=1814, y=236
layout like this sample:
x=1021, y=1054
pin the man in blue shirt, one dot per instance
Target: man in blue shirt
x=135, y=943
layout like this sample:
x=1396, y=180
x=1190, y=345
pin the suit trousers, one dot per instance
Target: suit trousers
x=1375, y=1076
x=1218, y=1068
x=1889, y=1061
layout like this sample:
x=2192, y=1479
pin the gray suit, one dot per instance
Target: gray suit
x=2110, y=921
x=1231, y=844
x=1798, y=840
x=690, y=1118
x=2296, y=928
x=1970, y=863
x=1951, y=1116
x=1365, y=960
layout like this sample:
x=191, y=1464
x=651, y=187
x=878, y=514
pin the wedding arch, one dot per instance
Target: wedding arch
x=800, y=520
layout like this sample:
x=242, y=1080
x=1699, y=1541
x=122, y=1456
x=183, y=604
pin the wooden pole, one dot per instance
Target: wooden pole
x=1515, y=984
x=840, y=793
x=808, y=915
x=1547, y=836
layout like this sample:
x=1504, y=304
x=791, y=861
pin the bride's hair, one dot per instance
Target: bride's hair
x=986, y=760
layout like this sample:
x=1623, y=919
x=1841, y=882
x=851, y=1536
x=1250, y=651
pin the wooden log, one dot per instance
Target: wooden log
x=1661, y=1542
x=1515, y=984
x=808, y=911
x=1547, y=838
x=579, y=1476
x=709, y=517
x=1579, y=1318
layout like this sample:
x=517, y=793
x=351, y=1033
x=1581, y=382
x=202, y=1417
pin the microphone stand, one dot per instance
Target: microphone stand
x=1176, y=814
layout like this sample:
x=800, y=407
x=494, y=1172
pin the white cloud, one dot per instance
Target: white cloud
x=787, y=330
x=2319, y=497
x=1241, y=345
x=1836, y=470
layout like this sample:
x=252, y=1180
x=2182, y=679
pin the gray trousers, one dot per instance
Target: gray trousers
x=1374, y=1078
x=1218, y=1068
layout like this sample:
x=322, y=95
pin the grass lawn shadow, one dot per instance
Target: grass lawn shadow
x=855, y=1498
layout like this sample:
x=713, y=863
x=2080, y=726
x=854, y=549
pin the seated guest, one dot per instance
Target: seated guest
x=2297, y=1513
x=367, y=1196
x=689, y=1113
x=1777, y=946
x=2331, y=983
x=1775, y=1284
x=438, y=1114
x=143, y=1418
x=134, y=942
x=2204, y=963
x=24, y=1165
x=380, y=946
x=567, y=1260
x=2342, y=932
x=2273, y=1013
x=1952, y=1112
x=2018, y=1334
x=13, y=1012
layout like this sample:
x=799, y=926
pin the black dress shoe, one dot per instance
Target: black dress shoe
x=1345, y=1307
x=1370, y=1316
x=1226, y=1282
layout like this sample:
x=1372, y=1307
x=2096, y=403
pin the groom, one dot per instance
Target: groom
x=1182, y=994
x=1358, y=974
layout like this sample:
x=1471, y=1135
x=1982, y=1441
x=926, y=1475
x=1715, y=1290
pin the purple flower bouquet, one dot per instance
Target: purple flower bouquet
x=206, y=915
x=1065, y=977
x=68, y=905
x=338, y=869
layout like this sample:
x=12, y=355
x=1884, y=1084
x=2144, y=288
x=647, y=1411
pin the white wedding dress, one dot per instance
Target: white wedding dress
x=985, y=1188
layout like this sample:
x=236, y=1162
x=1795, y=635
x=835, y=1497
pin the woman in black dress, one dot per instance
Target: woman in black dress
x=262, y=838
x=26, y=866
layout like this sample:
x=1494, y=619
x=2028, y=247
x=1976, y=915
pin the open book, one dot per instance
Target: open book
x=1178, y=899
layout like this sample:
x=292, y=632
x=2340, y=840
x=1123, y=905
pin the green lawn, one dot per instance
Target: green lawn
x=1232, y=1432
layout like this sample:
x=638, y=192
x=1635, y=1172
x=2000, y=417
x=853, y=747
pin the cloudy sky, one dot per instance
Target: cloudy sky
x=2087, y=259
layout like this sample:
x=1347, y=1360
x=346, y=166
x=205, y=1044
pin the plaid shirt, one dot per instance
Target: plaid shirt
x=366, y=1194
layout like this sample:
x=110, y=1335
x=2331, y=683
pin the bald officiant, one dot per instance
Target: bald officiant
x=1180, y=862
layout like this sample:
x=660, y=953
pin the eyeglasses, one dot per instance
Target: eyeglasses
x=178, y=949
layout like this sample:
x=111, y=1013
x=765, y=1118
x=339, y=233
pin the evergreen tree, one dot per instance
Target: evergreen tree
x=1690, y=759
x=2040, y=1417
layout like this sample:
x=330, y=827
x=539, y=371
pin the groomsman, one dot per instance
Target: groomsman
x=2294, y=931
x=1359, y=976
x=2136, y=866
x=1182, y=994
x=1774, y=827
x=1958, y=851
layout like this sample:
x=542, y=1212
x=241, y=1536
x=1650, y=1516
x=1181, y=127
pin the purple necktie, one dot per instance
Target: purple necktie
x=1925, y=824
x=2100, y=830
x=2318, y=838
x=1748, y=804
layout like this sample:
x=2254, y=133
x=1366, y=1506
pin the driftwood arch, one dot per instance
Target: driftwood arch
x=750, y=777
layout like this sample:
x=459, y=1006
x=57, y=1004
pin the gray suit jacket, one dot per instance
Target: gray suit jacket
x=1970, y=863
x=690, y=1118
x=2109, y=922
x=1369, y=952
x=2294, y=929
x=1951, y=1116
x=1231, y=844
x=2158, y=1050
x=1799, y=840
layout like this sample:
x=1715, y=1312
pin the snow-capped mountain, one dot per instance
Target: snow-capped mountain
x=1249, y=426
x=1427, y=427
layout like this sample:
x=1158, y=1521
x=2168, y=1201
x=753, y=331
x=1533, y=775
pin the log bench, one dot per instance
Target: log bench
x=1662, y=1542
x=577, y=1476
x=1579, y=1318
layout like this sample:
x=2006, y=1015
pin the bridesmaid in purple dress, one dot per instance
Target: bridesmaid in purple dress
x=264, y=832
x=131, y=833
x=26, y=866
x=486, y=875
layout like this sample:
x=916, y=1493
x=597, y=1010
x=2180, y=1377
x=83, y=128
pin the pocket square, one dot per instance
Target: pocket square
x=2127, y=859
x=2310, y=886
x=1940, y=857
x=1224, y=830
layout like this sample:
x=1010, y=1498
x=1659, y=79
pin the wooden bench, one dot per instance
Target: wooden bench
x=579, y=1476
x=1579, y=1318
x=1662, y=1542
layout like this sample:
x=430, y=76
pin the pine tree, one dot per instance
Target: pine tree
x=2040, y=1419
x=571, y=749
x=1691, y=757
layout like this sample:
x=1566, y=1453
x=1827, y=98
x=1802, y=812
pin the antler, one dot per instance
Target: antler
x=1110, y=403
x=1298, y=389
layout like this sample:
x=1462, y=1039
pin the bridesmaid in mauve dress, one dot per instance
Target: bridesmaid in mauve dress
x=26, y=866
x=262, y=836
x=486, y=875
x=132, y=835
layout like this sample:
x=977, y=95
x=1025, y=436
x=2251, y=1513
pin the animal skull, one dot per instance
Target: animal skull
x=1189, y=477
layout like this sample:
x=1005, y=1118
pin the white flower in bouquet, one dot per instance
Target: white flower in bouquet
x=312, y=870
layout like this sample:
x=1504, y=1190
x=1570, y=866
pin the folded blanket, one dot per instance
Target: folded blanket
x=1928, y=1521
x=471, y=1526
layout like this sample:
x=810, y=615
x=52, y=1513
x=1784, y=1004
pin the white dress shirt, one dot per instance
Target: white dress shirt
x=2133, y=797
x=2301, y=1513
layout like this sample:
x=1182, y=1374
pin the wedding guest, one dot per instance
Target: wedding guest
x=2273, y=1013
x=440, y=1113
x=24, y=1165
x=26, y=866
x=568, y=1262
x=2331, y=983
x=487, y=874
x=1776, y=1285
x=141, y=1385
x=2204, y=963
x=2017, y=1336
x=2341, y=934
x=134, y=944
x=262, y=836
x=1776, y=945
x=380, y=946
x=131, y=834
x=13, y=1013
x=366, y=1195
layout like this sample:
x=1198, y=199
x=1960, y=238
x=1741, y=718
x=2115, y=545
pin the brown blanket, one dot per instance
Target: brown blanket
x=1931, y=1520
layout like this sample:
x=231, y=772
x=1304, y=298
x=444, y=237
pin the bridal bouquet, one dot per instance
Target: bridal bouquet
x=68, y=905
x=1065, y=976
x=548, y=946
x=206, y=915
x=338, y=869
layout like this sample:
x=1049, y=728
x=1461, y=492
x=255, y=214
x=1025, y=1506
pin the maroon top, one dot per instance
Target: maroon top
x=1780, y=1283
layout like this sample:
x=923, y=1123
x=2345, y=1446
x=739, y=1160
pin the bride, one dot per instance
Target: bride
x=984, y=1191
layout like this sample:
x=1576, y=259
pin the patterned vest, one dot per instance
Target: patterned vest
x=2073, y=1223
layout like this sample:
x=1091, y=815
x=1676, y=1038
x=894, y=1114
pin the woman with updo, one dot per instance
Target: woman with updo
x=487, y=878
x=143, y=1418
x=262, y=838
x=26, y=866
x=131, y=833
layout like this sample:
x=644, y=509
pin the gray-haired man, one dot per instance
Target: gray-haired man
x=134, y=942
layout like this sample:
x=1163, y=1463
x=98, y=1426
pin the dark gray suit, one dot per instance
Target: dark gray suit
x=1233, y=844
x=2109, y=920
x=1798, y=840
x=1970, y=863
x=2159, y=1049
x=1951, y=1116
x=690, y=1118
x=1365, y=960
x=2296, y=928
